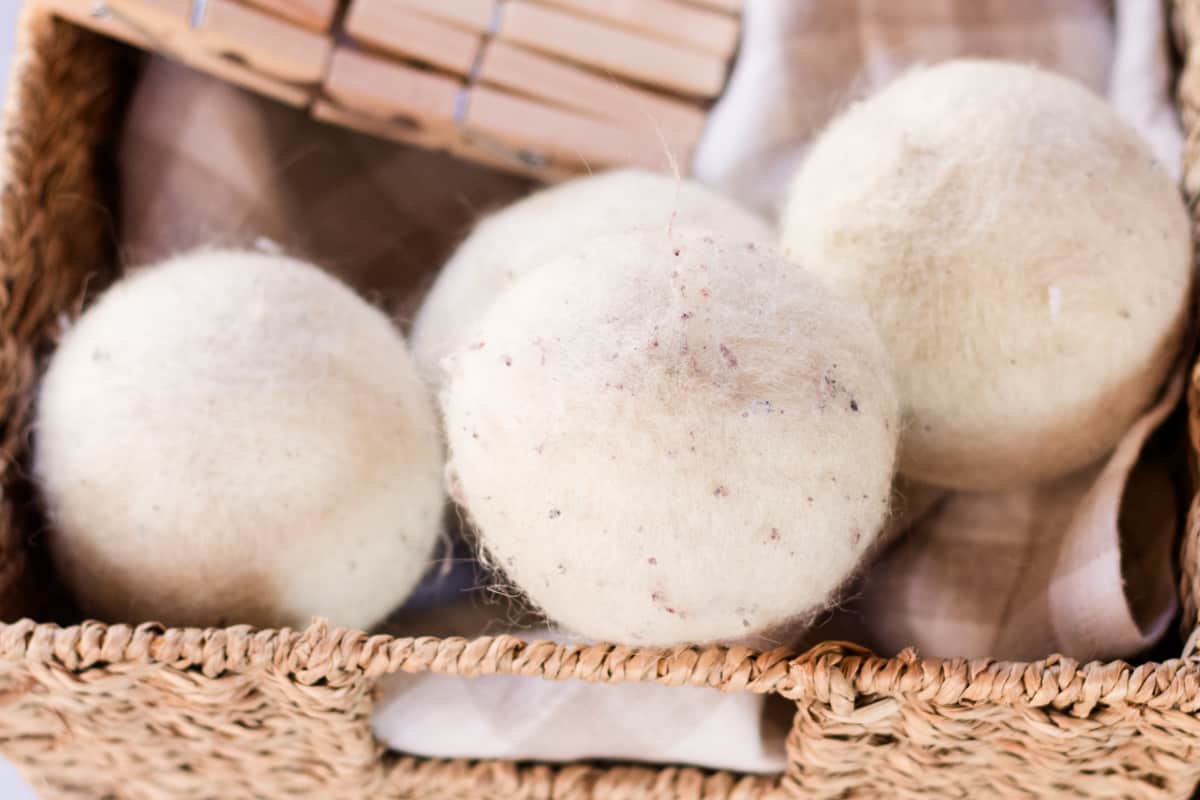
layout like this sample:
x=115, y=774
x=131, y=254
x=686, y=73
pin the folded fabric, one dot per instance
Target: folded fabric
x=519, y=717
x=1055, y=568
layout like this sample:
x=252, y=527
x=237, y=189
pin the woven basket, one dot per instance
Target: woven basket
x=116, y=711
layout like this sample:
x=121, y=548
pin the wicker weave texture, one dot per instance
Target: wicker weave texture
x=141, y=712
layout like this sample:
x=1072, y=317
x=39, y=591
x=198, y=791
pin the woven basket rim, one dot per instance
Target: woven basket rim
x=570, y=779
x=824, y=673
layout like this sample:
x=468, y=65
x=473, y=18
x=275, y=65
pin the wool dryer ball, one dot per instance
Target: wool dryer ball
x=667, y=436
x=1026, y=260
x=231, y=437
x=506, y=244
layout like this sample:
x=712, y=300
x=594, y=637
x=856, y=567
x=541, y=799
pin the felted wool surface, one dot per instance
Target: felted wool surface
x=505, y=245
x=232, y=437
x=1024, y=256
x=667, y=436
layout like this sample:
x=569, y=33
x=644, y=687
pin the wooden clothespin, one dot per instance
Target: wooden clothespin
x=404, y=29
x=471, y=15
x=562, y=84
x=442, y=111
x=386, y=91
x=262, y=40
x=89, y=15
x=611, y=49
x=160, y=21
x=245, y=77
x=394, y=28
x=229, y=30
x=727, y=6
x=687, y=25
x=316, y=15
x=540, y=86
x=164, y=26
x=560, y=135
x=589, y=40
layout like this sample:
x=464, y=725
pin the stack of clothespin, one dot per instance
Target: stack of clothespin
x=544, y=87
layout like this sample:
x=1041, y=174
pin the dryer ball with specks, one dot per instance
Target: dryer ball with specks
x=508, y=243
x=669, y=436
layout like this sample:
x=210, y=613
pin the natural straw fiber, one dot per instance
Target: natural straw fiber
x=56, y=240
x=142, y=712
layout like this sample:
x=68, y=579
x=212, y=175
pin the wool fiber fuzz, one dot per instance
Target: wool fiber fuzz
x=508, y=243
x=231, y=437
x=1025, y=258
x=670, y=436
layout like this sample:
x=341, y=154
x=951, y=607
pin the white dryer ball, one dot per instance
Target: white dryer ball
x=668, y=437
x=527, y=233
x=1026, y=260
x=232, y=437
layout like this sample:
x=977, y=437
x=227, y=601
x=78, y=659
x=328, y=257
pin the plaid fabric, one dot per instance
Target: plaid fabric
x=1080, y=566
x=204, y=163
